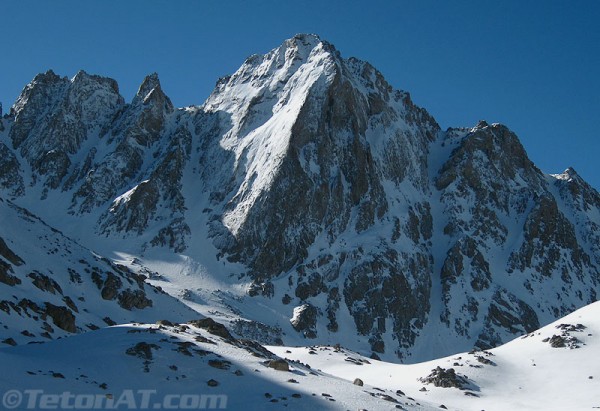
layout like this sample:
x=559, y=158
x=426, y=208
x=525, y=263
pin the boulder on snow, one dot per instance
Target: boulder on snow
x=279, y=365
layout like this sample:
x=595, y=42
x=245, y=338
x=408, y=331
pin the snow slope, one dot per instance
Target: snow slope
x=121, y=363
x=532, y=372
x=173, y=364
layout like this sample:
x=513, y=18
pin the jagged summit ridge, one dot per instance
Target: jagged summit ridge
x=327, y=192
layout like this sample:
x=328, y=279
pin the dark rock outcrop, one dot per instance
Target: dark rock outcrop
x=213, y=327
x=305, y=320
x=446, y=378
x=62, y=317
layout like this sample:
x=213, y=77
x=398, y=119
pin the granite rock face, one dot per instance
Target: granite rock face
x=327, y=190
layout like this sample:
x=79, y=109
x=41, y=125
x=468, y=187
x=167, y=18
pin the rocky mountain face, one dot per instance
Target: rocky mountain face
x=342, y=205
x=516, y=258
x=52, y=287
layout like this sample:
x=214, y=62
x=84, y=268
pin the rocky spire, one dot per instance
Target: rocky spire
x=150, y=92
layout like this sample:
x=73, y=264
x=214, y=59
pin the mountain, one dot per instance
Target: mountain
x=308, y=201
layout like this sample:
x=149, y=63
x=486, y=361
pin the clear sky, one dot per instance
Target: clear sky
x=532, y=65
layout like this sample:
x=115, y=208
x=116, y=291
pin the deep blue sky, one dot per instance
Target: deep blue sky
x=532, y=65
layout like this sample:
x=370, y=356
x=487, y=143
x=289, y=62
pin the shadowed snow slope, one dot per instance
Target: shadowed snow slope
x=175, y=365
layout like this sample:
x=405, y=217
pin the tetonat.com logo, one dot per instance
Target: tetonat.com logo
x=125, y=400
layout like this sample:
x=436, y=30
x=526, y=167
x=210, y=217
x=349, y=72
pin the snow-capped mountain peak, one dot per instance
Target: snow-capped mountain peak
x=306, y=184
